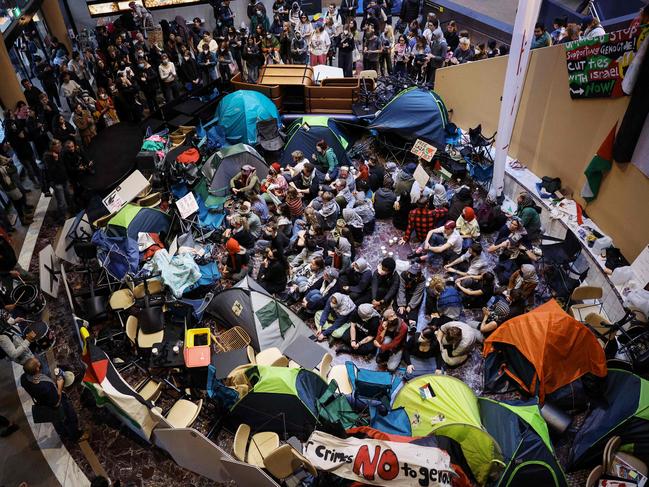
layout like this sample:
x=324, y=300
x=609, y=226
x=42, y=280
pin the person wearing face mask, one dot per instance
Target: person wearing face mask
x=299, y=49
x=295, y=15
x=260, y=18
x=270, y=48
x=168, y=78
x=189, y=71
x=319, y=45
x=208, y=62
x=148, y=80
x=345, y=52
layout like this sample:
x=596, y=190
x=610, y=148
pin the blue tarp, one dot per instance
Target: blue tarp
x=239, y=112
x=415, y=113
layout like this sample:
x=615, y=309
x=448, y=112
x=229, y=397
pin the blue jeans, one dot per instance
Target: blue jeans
x=314, y=300
x=63, y=198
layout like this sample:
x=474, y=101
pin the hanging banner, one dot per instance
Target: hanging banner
x=376, y=462
x=596, y=67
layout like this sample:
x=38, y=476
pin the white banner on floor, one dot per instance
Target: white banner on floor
x=519, y=57
x=377, y=462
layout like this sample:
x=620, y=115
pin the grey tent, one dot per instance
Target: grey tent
x=268, y=322
x=227, y=162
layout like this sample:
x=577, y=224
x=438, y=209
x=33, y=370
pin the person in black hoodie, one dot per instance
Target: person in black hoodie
x=385, y=283
x=356, y=281
x=189, y=71
x=273, y=272
x=400, y=216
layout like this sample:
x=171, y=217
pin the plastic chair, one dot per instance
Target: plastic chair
x=324, y=366
x=586, y=293
x=149, y=389
x=153, y=286
x=369, y=74
x=594, y=476
x=121, y=300
x=131, y=329
x=150, y=201
x=286, y=461
x=183, y=413
x=339, y=374
x=240, y=446
x=271, y=356
x=600, y=326
x=261, y=445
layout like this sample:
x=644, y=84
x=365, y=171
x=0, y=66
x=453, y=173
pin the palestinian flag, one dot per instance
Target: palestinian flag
x=111, y=390
x=598, y=167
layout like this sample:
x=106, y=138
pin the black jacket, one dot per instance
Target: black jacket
x=384, y=288
x=409, y=10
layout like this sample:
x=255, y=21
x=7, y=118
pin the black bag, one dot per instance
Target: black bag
x=47, y=414
x=551, y=185
x=615, y=259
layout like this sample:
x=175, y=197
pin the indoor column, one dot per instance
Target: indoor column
x=10, y=89
x=54, y=19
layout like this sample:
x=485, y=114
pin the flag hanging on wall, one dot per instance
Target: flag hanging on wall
x=598, y=167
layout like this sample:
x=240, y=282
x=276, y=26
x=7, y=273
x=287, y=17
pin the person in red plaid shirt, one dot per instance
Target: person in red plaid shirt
x=423, y=219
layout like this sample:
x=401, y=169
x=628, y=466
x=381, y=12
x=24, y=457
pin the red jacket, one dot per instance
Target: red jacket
x=397, y=339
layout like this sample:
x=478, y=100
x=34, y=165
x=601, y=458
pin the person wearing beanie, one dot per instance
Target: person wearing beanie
x=385, y=283
x=411, y=292
x=467, y=226
x=236, y=264
x=356, y=281
x=444, y=241
x=359, y=337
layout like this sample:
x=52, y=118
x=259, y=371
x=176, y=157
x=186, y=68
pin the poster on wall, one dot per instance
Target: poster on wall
x=378, y=462
x=596, y=67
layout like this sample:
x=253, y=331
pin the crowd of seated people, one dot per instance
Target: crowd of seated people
x=300, y=230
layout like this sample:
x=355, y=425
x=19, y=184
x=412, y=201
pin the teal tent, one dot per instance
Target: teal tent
x=239, y=112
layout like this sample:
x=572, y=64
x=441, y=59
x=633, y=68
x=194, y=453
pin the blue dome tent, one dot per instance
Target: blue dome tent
x=415, y=113
x=239, y=112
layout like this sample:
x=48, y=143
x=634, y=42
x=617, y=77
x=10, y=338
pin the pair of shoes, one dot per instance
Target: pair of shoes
x=12, y=428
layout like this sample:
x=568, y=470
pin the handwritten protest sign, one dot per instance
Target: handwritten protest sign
x=596, y=67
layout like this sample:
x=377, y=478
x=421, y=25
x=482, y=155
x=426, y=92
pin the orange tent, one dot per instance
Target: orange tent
x=542, y=351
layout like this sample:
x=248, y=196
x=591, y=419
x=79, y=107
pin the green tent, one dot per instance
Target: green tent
x=446, y=406
x=523, y=436
x=306, y=132
x=133, y=219
x=225, y=163
x=282, y=399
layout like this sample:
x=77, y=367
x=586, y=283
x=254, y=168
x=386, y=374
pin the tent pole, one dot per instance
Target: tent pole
x=519, y=56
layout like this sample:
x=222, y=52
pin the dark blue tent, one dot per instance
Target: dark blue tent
x=307, y=131
x=415, y=113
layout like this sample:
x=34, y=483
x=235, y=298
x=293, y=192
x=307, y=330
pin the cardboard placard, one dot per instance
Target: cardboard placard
x=187, y=205
x=421, y=176
x=423, y=150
